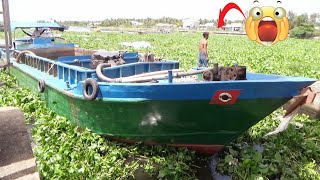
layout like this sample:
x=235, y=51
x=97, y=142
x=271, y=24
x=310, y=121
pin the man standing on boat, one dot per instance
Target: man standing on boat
x=37, y=32
x=203, y=51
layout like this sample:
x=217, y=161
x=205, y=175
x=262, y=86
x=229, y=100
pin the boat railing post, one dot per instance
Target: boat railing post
x=68, y=84
x=170, y=76
x=94, y=76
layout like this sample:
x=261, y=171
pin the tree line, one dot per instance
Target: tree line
x=120, y=22
x=301, y=26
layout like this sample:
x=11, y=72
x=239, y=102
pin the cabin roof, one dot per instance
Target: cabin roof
x=25, y=25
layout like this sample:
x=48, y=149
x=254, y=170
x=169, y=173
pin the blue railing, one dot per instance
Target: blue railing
x=69, y=70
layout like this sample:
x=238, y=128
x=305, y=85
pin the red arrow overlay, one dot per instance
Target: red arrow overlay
x=225, y=10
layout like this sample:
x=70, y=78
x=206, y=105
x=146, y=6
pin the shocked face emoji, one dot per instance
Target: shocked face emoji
x=267, y=25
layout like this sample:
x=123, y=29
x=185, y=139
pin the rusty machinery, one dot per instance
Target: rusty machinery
x=113, y=58
x=225, y=73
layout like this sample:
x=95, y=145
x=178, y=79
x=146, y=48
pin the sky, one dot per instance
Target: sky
x=95, y=10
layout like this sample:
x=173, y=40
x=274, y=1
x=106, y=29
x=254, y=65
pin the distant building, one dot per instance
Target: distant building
x=94, y=24
x=317, y=20
x=190, y=23
x=164, y=27
x=136, y=23
x=233, y=27
x=206, y=26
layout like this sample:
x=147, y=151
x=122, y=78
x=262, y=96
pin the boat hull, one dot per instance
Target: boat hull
x=197, y=124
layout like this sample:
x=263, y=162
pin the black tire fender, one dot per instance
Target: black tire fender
x=41, y=85
x=95, y=89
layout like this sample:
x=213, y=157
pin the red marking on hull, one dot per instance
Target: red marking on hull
x=201, y=148
x=204, y=149
x=216, y=99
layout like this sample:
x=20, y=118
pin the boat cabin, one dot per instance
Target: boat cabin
x=71, y=64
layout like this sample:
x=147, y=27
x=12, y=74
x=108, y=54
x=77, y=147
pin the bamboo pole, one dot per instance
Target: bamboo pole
x=8, y=23
x=7, y=28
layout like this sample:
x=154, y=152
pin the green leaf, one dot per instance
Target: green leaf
x=257, y=156
x=263, y=169
x=277, y=157
x=228, y=158
x=162, y=173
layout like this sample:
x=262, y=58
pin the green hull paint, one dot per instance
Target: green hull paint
x=165, y=122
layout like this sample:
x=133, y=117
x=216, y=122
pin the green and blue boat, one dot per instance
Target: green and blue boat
x=145, y=99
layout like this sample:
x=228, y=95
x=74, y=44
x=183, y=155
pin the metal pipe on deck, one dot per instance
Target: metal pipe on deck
x=165, y=76
x=152, y=76
x=102, y=76
x=153, y=73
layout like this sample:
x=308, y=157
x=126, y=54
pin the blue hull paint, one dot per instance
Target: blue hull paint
x=258, y=86
x=67, y=76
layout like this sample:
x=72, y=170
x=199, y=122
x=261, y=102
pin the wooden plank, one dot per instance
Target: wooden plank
x=310, y=109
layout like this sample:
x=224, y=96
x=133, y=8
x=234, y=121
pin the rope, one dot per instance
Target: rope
x=22, y=53
x=30, y=52
x=51, y=66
